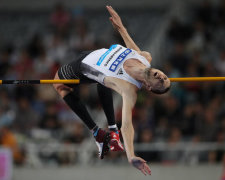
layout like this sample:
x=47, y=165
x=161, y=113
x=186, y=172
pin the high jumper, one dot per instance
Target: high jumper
x=122, y=69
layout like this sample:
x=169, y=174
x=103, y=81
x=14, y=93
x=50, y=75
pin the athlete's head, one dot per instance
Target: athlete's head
x=156, y=81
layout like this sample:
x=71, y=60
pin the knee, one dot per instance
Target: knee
x=55, y=78
x=57, y=87
x=62, y=90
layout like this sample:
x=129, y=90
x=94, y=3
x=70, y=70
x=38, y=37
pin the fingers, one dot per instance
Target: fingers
x=112, y=12
x=141, y=164
x=143, y=171
x=147, y=169
x=109, y=8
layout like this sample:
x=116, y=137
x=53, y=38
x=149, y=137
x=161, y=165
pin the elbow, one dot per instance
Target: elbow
x=149, y=57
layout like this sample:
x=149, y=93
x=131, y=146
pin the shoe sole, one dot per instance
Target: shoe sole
x=105, y=148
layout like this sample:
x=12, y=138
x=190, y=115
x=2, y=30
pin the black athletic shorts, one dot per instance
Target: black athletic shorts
x=73, y=70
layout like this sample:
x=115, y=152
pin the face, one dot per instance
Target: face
x=157, y=80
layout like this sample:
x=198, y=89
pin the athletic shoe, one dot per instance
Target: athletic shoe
x=102, y=141
x=115, y=144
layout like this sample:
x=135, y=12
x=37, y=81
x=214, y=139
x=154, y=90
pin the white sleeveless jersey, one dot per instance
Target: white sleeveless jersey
x=109, y=62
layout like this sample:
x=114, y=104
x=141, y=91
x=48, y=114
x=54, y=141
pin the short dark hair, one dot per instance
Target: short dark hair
x=161, y=91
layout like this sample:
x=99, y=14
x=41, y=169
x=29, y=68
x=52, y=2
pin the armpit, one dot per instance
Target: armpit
x=119, y=85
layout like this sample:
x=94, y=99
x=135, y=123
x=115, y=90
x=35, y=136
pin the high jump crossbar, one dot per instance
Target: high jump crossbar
x=77, y=81
x=199, y=79
x=27, y=82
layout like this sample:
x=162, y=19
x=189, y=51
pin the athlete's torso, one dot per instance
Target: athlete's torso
x=109, y=62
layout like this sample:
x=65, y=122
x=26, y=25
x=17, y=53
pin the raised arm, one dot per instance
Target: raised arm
x=118, y=25
x=129, y=100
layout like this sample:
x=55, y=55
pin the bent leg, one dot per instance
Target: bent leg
x=72, y=99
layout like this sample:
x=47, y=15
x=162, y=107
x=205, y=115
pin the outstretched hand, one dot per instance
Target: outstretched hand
x=115, y=18
x=141, y=164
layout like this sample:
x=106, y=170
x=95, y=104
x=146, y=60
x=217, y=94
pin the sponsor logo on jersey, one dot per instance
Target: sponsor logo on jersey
x=119, y=59
x=120, y=72
x=105, y=54
x=110, y=58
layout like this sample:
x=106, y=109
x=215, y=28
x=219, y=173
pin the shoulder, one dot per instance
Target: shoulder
x=146, y=54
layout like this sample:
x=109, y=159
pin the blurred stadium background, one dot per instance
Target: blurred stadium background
x=182, y=133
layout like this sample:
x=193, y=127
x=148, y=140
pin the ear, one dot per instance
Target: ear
x=149, y=88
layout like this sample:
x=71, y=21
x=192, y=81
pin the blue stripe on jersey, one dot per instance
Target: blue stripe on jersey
x=119, y=59
x=105, y=54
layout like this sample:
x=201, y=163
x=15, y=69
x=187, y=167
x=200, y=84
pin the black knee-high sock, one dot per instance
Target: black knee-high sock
x=105, y=96
x=73, y=101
